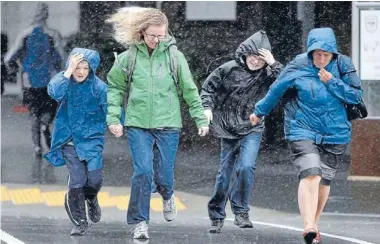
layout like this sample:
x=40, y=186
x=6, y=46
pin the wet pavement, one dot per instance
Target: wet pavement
x=39, y=223
x=353, y=209
x=38, y=231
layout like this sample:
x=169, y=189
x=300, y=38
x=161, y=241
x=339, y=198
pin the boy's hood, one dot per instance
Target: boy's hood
x=91, y=56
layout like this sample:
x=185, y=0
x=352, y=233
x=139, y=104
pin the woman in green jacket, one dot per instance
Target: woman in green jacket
x=152, y=110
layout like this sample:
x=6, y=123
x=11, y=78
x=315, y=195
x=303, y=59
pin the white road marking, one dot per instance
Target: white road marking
x=10, y=239
x=344, y=238
x=352, y=215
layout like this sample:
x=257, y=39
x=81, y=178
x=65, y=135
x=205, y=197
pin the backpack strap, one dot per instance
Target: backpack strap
x=340, y=62
x=173, y=56
x=131, y=56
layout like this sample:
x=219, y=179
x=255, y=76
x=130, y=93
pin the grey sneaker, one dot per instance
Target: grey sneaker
x=216, y=226
x=80, y=230
x=170, y=210
x=242, y=220
x=140, y=231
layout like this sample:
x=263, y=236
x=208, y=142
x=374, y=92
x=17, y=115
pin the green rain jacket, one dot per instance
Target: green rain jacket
x=153, y=100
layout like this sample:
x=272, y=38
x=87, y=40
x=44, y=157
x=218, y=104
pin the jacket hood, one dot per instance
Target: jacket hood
x=91, y=56
x=251, y=46
x=322, y=38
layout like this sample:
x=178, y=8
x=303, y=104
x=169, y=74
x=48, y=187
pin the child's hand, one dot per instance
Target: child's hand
x=267, y=56
x=73, y=63
x=75, y=60
x=117, y=130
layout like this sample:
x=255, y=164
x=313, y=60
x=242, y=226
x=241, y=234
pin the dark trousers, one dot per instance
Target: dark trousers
x=83, y=185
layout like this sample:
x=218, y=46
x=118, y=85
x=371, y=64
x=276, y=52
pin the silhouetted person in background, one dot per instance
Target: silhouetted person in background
x=4, y=49
x=37, y=49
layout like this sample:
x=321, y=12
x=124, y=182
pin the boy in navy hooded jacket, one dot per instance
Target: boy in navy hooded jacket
x=78, y=136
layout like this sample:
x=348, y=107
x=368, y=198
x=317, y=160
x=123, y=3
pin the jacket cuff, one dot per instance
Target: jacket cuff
x=113, y=121
x=258, y=114
x=330, y=83
x=207, y=108
x=202, y=123
x=274, y=65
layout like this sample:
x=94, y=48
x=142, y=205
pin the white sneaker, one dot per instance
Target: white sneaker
x=170, y=210
x=140, y=231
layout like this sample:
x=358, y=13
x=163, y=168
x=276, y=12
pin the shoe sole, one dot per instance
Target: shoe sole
x=141, y=237
x=309, y=237
x=243, y=226
x=171, y=219
x=214, y=231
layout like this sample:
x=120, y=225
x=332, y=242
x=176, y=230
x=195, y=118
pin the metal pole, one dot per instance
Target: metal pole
x=305, y=14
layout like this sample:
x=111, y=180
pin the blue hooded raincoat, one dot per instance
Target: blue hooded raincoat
x=318, y=112
x=81, y=116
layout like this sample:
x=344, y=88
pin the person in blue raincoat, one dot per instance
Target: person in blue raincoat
x=78, y=136
x=316, y=123
x=38, y=50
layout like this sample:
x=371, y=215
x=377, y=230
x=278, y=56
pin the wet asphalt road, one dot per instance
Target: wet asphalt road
x=44, y=230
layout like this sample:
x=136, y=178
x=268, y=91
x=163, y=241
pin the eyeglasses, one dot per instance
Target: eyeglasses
x=152, y=37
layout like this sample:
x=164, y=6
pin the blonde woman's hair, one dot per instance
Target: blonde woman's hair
x=129, y=22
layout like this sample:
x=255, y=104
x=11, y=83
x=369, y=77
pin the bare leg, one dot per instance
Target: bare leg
x=308, y=199
x=324, y=192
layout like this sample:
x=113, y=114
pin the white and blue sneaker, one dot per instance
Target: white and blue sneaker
x=140, y=231
x=170, y=209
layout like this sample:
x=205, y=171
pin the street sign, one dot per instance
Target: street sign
x=369, y=44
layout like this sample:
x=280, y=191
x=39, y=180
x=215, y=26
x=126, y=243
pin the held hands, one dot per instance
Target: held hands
x=324, y=75
x=117, y=130
x=267, y=56
x=254, y=119
x=208, y=114
x=203, y=131
x=74, y=61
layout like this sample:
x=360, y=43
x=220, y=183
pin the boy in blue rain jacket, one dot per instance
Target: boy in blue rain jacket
x=78, y=136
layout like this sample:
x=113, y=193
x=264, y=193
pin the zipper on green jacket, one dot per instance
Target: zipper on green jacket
x=151, y=88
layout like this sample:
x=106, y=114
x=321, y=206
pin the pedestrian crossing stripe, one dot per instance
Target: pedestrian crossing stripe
x=28, y=196
x=4, y=194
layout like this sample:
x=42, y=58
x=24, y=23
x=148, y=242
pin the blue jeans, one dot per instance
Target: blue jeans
x=239, y=156
x=79, y=176
x=141, y=143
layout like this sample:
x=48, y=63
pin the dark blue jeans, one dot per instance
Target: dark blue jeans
x=141, y=143
x=237, y=156
x=79, y=176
